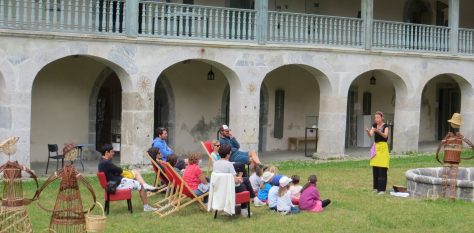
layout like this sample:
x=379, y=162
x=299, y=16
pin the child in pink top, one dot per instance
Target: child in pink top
x=310, y=198
x=295, y=189
x=193, y=176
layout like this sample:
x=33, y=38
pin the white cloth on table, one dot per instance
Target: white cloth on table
x=222, y=193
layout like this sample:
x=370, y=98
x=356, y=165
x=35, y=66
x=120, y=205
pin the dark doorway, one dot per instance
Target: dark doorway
x=242, y=4
x=163, y=107
x=449, y=102
x=109, y=112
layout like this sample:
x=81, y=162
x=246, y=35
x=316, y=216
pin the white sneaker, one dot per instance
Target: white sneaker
x=381, y=193
x=150, y=188
x=245, y=213
x=257, y=202
x=149, y=208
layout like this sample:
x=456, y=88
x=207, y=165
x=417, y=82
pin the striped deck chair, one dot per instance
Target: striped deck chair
x=161, y=179
x=180, y=195
x=207, y=145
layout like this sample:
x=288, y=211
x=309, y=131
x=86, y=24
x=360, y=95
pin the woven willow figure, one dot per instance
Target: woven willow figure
x=453, y=146
x=13, y=215
x=68, y=212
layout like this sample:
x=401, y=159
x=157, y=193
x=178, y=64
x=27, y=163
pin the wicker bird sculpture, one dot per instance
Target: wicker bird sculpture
x=68, y=212
x=13, y=214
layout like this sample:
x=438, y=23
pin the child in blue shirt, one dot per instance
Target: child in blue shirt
x=262, y=196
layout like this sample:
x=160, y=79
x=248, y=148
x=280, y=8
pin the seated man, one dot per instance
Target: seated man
x=113, y=172
x=224, y=166
x=244, y=157
x=165, y=151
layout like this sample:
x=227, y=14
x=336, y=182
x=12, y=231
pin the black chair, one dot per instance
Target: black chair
x=53, y=154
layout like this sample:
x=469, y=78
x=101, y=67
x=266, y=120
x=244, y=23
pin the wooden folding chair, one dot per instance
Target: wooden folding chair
x=207, y=145
x=161, y=179
x=180, y=195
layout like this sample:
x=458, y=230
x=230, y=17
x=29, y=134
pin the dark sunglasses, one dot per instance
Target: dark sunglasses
x=218, y=145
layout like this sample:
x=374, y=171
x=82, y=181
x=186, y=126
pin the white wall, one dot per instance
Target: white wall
x=60, y=104
x=198, y=104
x=301, y=100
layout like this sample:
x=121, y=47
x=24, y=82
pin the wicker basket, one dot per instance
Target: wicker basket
x=95, y=223
x=398, y=188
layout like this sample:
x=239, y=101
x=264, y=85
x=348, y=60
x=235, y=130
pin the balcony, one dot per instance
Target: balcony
x=151, y=19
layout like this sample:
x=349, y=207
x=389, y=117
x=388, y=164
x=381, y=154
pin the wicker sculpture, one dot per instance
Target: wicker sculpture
x=68, y=213
x=452, y=145
x=13, y=214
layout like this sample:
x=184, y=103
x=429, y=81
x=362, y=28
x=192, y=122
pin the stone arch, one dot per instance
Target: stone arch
x=360, y=92
x=418, y=11
x=442, y=94
x=185, y=79
x=298, y=83
x=95, y=72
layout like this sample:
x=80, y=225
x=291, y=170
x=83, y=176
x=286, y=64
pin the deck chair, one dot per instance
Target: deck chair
x=180, y=195
x=161, y=179
x=207, y=145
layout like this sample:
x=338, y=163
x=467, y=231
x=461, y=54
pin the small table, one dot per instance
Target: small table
x=79, y=151
x=311, y=129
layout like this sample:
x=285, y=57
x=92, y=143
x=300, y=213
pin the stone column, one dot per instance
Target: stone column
x=261, y=6
x=453, y=22
x=332, y=126
x=137, y=126
x=244, y=110
x=367, y=15
x=131, y=17
x=406, y=125
x=467, y=113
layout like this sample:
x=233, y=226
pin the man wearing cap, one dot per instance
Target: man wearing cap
x=244, y=157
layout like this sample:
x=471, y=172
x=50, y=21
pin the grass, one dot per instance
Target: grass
x=346, y=183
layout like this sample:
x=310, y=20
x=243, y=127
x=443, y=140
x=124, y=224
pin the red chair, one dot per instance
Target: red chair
x=119, y=195
x=207, y=145
x=242, y=197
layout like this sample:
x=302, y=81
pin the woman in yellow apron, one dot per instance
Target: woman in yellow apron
x=380, y=158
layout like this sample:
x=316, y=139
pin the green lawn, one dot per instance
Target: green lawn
x=346, y=183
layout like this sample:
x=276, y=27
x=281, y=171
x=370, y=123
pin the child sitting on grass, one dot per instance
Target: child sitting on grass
x=295, y=189
x=284, y=204
x=273, y=196
x=262, y=196
x=310, y=198
x=256, y=178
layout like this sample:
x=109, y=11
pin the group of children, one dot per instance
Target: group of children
x=284, y=194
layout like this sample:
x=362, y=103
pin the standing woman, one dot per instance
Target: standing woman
x=381, y=160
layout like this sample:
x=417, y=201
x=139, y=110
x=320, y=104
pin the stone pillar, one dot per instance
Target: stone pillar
x=131, y=18
x=367, y=15
x=332, y=126
x=467, y=113
x=244, y=110
x=453, y=22
x=406, y=125
x=261, y=6
x=137, y=126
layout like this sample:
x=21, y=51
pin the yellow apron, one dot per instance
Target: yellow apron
x=382, y=157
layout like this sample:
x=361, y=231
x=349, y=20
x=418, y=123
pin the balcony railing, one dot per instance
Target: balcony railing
x=285, y=27
x=86, y=16
x=466, y=41
x=407, y=36
x=149, y=18
x=190, y=21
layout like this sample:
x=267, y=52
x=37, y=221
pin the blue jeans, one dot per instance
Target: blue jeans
x=294, y=210
x=199, y=193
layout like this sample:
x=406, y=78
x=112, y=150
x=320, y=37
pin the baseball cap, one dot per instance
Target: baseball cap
x=284, y=181
x=224, y=127
x=267, y=176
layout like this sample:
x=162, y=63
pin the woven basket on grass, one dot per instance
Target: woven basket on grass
x=95, y=223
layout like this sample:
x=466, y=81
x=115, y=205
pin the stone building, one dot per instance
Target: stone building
x=94, y=71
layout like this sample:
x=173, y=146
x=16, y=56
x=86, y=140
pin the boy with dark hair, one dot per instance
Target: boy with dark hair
x=114, y=173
